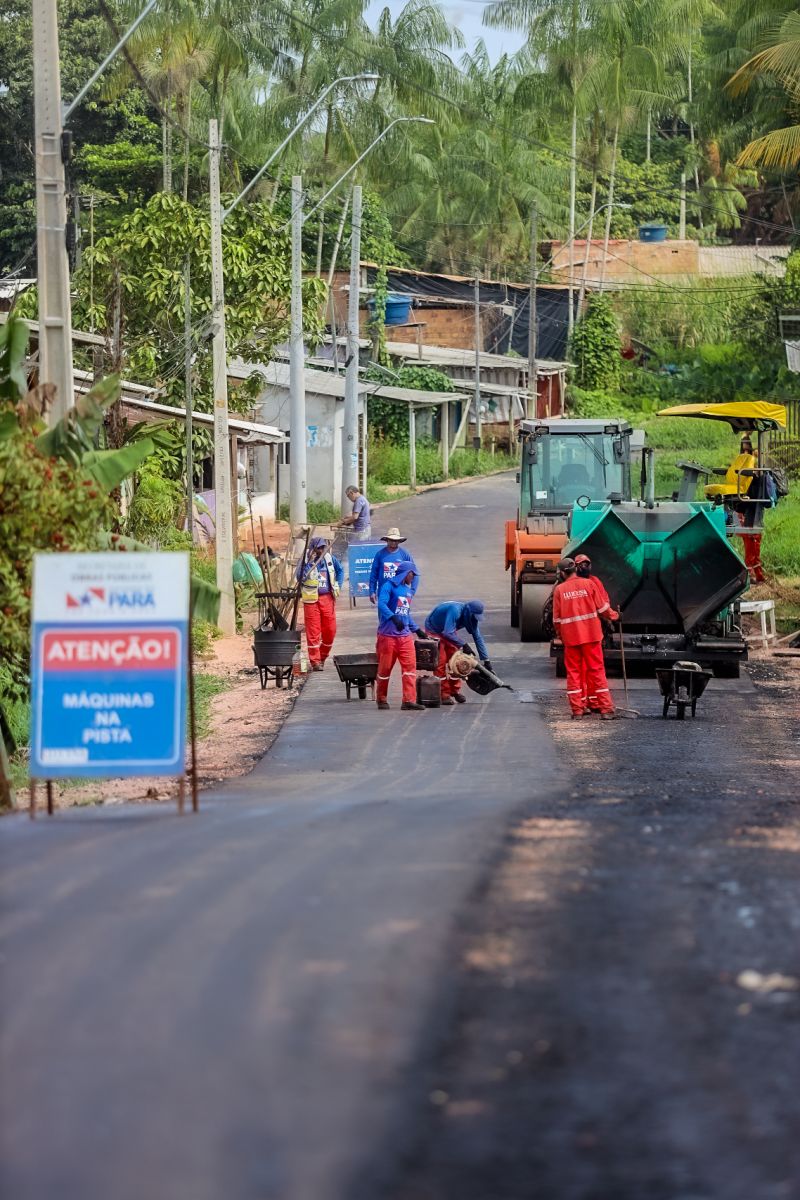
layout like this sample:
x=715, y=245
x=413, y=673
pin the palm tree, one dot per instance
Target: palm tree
x=780, y=61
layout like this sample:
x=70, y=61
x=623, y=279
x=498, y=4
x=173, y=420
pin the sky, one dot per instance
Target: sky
x=467, y=15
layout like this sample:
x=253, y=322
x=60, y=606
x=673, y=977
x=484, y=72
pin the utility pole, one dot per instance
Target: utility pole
x=350, y=429
x=223, y=515
x=533, y=382
x=477, y=441
x=297, y=383
x=187, y=377
x=55, y=315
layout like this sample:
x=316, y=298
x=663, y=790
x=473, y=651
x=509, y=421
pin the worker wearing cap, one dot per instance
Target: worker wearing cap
x=583, y=569
x=578, y=606
x=320, y=576
x=443, y=623
x=387, y=561
x=395, y=642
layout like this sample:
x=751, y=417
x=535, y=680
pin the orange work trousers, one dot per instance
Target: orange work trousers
x=586, y=670
x=320, y=618
x=451, y=686
x=391, y=650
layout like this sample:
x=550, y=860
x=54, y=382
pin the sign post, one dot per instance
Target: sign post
x=109, y=665
x=359, y=567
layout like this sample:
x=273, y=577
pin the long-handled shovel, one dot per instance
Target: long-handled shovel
x=627, y=711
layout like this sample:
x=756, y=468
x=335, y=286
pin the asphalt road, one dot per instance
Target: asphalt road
x=234, y=1004
x=484, y=953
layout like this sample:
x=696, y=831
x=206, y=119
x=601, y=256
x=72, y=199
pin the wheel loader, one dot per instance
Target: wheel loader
x=562, y=462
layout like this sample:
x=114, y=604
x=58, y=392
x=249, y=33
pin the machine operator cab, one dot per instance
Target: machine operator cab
x=566, y=461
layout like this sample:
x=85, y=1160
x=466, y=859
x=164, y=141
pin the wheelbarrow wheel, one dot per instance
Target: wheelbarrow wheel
x=681, y=710
x=362, y=691
x=665, y=711
x=278, y=678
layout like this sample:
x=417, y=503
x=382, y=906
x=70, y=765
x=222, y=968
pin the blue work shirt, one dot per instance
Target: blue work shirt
x=453, y=615
x=385, y=566
x=394, y=600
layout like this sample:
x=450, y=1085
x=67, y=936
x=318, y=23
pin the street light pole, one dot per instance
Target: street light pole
x=350, y=421
x=55, y=311
x=223, y=505
x=298, y=492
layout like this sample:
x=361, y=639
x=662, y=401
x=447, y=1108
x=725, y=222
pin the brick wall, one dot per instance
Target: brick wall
x=628, y=260
x=444, y=326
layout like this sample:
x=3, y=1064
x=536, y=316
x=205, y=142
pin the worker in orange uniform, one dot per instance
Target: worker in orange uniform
x=578, y=605
x=320, y=577
x=583, y=569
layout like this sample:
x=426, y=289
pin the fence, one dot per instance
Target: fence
x=784, y=446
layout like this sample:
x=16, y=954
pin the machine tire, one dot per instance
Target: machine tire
x=727, y=669
x=532, y=599
x=514, y=604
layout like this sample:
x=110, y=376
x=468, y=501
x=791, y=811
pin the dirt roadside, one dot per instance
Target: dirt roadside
x=627, y=1007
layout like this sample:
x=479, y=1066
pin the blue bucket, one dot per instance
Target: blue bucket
x=652, y=232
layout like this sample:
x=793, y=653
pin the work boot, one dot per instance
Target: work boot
x=411, y=706
x=448, y=700
x=317, y=667
x=383, y=704
x=459, y=699
x=609, y=716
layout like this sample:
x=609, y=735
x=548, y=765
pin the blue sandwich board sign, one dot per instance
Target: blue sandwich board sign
x=109, y=664
x=359, y=565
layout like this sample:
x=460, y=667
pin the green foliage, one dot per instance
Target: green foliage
x=389, y=464
x=595, y=347
x=206, y=687
x=319, y=512
x=780, y=550
x=388, y=418
x=158, y=504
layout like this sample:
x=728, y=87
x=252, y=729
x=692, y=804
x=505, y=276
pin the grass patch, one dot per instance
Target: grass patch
x=379, y=493
x=780, y=549
x=389, y=465
x=206, y=687
x=319, y=512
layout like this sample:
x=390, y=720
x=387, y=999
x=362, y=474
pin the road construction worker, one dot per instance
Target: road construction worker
x=387, y=562
x=737, y=479
x=578, y=606
x=443, y=623
x=583, y=569
x=395, y=642
x=320, y=576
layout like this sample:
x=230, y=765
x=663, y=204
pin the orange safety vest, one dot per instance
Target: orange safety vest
x=578, y=605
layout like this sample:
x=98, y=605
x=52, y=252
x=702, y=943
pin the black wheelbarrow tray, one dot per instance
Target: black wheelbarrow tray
x=357, y=671
x=682, y=684
x=274, y=651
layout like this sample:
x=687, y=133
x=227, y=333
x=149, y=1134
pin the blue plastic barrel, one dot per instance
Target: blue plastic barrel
x=398, y=308
x=652, y=232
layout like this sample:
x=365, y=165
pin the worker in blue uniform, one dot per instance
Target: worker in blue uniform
x=386, y=563
x=443, y=623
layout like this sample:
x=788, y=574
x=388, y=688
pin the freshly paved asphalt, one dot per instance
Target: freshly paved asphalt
x=235, y=1004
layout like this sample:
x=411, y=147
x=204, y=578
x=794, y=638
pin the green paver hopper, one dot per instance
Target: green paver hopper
x=672, y=573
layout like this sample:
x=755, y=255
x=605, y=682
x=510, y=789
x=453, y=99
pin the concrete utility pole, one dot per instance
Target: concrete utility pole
x=187, y=376
x=224, y=515
x=297, y=382
x=55, y=315
x=478, y=339
x=533, y=392
x=350, y=429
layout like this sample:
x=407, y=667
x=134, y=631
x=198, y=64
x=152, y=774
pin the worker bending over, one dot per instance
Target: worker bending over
x=395, y=642
x=578, y=605
x=387, y=562
x=583, y=569
x=443, y=623
x=320, y=576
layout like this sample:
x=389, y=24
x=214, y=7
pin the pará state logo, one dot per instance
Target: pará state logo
x=403, y=606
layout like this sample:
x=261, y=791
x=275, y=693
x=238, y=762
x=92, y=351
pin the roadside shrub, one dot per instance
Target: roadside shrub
x=595, y=346
x=780, y=550
x=158, y=505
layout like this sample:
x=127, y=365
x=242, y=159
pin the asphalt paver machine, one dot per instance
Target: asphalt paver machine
x=562, y=463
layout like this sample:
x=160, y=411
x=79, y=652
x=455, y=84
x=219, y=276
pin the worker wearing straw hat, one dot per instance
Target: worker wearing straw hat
x=386, y=563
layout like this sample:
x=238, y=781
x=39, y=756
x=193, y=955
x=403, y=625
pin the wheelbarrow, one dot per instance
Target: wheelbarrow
x=682, y=684
x=357, y=671
x=274, y=651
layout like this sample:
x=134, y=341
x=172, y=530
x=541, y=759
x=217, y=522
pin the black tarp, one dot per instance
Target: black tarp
x=509, y=329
